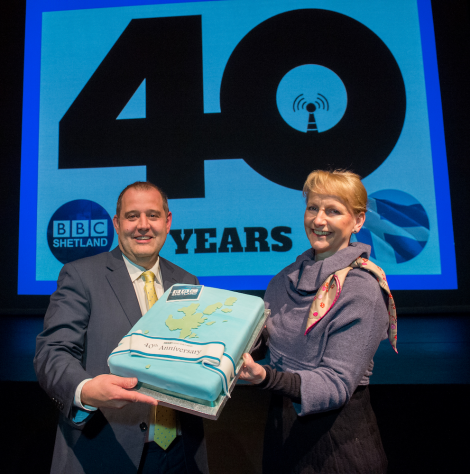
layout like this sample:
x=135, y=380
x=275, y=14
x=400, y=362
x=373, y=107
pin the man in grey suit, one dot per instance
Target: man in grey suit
x=104, y=424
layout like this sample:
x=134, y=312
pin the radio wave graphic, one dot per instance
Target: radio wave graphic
x=320, y=103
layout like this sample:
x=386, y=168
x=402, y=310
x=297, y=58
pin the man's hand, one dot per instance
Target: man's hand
x=111, y=391
x=251, y=371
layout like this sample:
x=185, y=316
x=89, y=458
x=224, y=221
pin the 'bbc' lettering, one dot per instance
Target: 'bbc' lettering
x=80, y=228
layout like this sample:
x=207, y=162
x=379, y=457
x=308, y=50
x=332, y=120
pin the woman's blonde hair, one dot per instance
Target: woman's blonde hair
x=344, y=184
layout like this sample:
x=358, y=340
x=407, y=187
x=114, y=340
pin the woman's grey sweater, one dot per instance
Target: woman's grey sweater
x=337, y=354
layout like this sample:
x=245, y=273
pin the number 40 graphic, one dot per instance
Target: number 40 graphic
x=176, y=136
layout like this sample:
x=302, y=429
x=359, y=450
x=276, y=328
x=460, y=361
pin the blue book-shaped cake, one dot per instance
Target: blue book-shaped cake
x=189, y=343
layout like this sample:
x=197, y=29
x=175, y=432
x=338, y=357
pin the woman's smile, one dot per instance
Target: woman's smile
x=321, y=232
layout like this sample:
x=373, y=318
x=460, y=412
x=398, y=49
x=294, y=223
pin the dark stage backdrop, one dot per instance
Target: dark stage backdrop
x=434, y=350
x=228, y=106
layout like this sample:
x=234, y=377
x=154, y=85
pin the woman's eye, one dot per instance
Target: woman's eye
x=333, y=212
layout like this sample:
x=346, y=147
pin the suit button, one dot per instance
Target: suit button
x=143, y=426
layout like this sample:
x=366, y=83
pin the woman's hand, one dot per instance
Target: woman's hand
x=251, y=371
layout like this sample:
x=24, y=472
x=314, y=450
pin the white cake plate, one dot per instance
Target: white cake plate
x=198, y=409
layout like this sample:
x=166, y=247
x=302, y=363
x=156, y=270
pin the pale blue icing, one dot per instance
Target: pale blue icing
x=192, y=379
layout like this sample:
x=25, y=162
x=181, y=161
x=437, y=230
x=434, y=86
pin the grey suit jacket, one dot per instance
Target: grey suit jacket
x=93, y=308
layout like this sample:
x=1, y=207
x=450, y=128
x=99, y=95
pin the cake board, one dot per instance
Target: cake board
x=194, y=408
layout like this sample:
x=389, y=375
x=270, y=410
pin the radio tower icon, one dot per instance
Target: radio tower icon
x=320, y=103
x=311, y=99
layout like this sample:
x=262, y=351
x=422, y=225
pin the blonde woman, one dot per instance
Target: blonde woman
x=329, y=312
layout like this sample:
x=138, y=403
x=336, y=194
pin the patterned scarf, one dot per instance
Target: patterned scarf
x=329, y=292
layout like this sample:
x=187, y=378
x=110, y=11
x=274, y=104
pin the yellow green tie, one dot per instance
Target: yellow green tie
x=165, y=418
x=149, y=287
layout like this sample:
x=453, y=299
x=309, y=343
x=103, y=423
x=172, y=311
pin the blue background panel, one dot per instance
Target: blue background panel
x=64, y=48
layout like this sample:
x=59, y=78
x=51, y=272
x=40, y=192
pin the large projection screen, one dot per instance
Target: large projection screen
x=228, y=105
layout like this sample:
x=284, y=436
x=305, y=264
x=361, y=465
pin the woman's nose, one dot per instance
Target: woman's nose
x=319, y=219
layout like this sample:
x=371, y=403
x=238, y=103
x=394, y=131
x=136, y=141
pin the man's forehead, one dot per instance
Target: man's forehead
x=133, y=195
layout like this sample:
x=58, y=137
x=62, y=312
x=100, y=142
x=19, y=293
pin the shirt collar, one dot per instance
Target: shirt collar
x=135, y=271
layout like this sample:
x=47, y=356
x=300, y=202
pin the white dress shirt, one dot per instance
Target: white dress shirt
x=135, y=272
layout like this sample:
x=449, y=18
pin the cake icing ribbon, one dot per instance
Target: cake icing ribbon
x=211, y=355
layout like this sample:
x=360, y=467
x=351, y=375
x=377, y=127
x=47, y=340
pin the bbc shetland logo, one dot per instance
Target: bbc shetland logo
x=79, y=229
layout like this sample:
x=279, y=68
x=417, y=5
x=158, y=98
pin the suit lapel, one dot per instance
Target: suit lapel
x=118, y=278
x=168, y=274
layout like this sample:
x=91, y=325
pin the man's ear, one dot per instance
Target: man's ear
x=169, y=219
x=116, y=223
